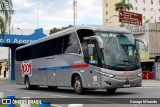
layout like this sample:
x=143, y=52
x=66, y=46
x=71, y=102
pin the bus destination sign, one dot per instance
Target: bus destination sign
x=130, y=18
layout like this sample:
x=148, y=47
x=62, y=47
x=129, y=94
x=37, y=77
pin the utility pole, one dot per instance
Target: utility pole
x=37, y=12
x=74, y=12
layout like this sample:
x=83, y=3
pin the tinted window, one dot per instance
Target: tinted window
x=23, y=54
x=47, y=48
x=70, y=44
x=84, y=33
x=64, y=44
x=85, y=51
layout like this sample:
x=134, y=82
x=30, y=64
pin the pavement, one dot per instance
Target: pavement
x=151, y=83
x=145, y=83
x=149, y=89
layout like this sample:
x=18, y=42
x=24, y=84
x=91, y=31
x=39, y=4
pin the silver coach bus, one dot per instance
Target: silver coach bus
x=83, y=57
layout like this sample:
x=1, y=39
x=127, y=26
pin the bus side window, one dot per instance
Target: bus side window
x=93, y=57
x=85, y=51
x=70, y=44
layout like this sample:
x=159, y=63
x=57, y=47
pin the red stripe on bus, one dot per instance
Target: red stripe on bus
x=80, y=66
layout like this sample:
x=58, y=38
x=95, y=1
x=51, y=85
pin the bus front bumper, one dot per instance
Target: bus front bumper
x=111, y=83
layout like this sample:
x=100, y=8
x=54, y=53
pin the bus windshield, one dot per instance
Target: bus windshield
x=120, y=52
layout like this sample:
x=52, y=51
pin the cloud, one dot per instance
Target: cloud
x=54, y=13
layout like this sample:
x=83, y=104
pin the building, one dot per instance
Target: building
x=150, y=33
x=150, y=9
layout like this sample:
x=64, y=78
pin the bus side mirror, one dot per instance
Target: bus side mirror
x=97, y=38
x=144, y=42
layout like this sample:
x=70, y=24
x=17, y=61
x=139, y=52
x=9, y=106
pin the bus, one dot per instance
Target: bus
x=83, y=57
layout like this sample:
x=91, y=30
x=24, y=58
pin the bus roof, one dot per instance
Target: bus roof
x=112, y=29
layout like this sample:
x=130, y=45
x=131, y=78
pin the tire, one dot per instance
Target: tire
x=52, y=87
x=78, y=87
x=111, y=91
x=28, y=85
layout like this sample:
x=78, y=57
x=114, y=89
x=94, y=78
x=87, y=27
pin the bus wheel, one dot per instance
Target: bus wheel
x=78, y=87
x=111, y=91
x=27, y=84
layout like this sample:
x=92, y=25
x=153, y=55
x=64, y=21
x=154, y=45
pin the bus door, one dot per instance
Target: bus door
x=93, y=61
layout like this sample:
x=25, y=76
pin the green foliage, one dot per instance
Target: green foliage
x=5, y=15
x=2, y=26
x=122, y=5
x=54, y=30
x=121, y=25
x=6, y=9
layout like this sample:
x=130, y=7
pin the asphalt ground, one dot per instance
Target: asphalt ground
x=149, y=89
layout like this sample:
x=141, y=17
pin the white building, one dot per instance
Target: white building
x=150, y=10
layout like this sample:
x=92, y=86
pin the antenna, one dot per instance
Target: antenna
x=74, y=12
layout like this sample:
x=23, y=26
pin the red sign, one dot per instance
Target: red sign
x=130, y=18
x=26, y=69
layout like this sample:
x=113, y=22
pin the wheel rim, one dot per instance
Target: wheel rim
x=77, y=85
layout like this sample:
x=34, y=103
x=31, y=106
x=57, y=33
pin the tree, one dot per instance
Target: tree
x=2, y=26
x=122, y=5
x=6, y=10
x=54, y=30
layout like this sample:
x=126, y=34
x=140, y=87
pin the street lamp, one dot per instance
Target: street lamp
x=107, y=20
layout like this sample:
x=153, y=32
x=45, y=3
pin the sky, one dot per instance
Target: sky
x=55, y=13
x=3, y=53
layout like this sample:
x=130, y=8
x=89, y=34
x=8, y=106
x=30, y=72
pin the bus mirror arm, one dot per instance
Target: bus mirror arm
x=97, y=38
x=144, y=42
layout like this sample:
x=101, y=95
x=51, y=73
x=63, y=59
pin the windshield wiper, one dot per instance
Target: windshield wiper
x=120, y=65
x=131, y=62
x=126, y=61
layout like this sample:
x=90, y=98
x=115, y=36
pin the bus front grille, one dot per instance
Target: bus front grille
x=123, y=77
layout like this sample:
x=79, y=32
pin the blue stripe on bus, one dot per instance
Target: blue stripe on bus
x=55, y=68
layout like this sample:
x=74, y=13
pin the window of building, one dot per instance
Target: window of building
x=151, y=9
x=106, y=4
x=136, y=8
x=106, y=12
x=151, y=17
x=159, y=1
x=128, y=1
x=151, y=1
x=159, y=18
x=144, y=1
x=159, y=10
x=144, y=18
x=136, y=1
x=144, y=9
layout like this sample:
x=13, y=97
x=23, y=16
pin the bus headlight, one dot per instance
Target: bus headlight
x=140, y=74
x=110, y=75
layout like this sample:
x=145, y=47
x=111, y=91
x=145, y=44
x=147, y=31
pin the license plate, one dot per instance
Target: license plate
x=126, y=85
